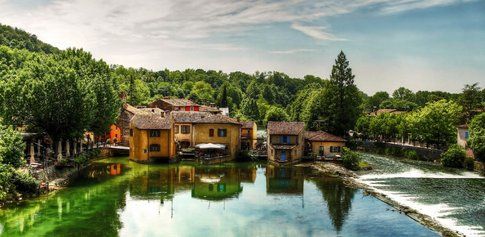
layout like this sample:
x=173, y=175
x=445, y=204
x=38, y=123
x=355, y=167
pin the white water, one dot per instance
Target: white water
x=438, y=211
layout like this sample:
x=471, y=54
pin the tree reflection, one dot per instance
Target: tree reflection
x=338, y=198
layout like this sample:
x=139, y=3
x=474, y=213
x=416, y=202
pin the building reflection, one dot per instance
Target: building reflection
x=207, y=183
x=284, y=180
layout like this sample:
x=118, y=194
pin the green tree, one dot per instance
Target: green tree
x=471, y=99
x=11, y=147
x=249, y=108
x=222, y=96
x=275, y=114
x=342, y=99
x=454, y=156
x=403, y=93
x=202, y=92
x=477, y=136
x=373, y=102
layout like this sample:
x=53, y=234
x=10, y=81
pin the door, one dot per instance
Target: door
x=283, y=156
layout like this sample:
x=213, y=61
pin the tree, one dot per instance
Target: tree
x=341, y=100
x=477, y=136
x=202, y=92
x=11, y=147
x=222, y=96
x=403, y=94
x=275, y=114
x=373, y=102
x=436, y=123
x=454, y=156
x=471, y=99
x=249, y=108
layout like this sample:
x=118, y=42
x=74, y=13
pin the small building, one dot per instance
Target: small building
x=206, y=131
x=285, y=141
x=462, y=135
x=322, y=145
x=210, y=109
x=150, y=138
x=120, y=130
x=249, y=135
x=175, y=104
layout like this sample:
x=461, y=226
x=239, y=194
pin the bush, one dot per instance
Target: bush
x=350, y=159
x=453, y=157
x=243, y=156
x=25, y=183
x=469, y=163
x=6, y=185
x=411, y=154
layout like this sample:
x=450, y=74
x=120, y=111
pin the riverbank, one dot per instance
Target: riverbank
x=350, y=179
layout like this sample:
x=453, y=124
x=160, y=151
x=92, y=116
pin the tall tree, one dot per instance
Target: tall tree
x=342, y=99
x=403, y=93
x=471, y=99
x=477, y=136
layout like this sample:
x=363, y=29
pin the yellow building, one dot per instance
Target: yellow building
x=150, y=138
x=323, y=145
x=249, y=135
x=285, y=141
x=213, y=134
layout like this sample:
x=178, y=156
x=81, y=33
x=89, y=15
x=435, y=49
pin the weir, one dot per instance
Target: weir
x=454, y=198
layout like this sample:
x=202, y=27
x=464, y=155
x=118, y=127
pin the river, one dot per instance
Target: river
x=116, y=197
x=454, y=198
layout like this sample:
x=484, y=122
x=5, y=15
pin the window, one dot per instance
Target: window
x=154, y=147
x=154, y=133
x=185, y=129
x=284, y=139
x=222, y=132
x=466, y=135
x=335, y=149
x=321, y=151
x=177, y=129
x=131, y=132
x=211, y=132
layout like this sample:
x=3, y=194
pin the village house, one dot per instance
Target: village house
x=151, y=138
x=211, y=134
x=175, y=104
x=120, y=131
x=249, y=135
x=322, y=145
x=285, y=141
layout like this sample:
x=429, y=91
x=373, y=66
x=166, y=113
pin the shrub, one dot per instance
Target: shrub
x=243, y=156
x=454, y=156
x=350, y=159
x=6, y=185
x=469, y=163
x=25, y=183
x=412, y=154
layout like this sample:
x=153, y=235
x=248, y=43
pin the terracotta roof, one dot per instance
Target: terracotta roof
x=205, y=108
x=463, y=126
x=285, y=128
x=283, y=147
x=202, y=117
x=150, y=121
x=178, y=102
x=247, y=124
x=130, y=108
x=321, y=136
x=151, y=110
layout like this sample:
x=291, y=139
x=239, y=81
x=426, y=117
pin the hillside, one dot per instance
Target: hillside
x=19, y=39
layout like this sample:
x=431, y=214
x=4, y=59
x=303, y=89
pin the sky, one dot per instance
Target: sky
x=421, y=45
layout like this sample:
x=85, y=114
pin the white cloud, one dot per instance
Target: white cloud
x=316, y=32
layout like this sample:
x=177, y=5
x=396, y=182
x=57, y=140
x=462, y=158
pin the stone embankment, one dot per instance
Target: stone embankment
x=350, y=178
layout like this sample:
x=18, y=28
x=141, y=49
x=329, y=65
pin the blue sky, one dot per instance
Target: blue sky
x=422, y=45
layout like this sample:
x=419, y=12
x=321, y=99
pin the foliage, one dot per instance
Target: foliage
x=477, y=136
x=411, y=154
x=19, y=39
x=472, y=98
x=275, y=114
x=24, y=182
x=373, y=102
x=350, y=159
x=249, y=108
x=469, y=163
x=11, y=147
x=6, y=186
x=453, y=157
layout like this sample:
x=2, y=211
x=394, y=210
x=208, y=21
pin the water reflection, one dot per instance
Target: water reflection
x=129, y=199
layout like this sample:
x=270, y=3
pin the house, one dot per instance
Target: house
x=151, y=138
x=210, y=109
x=323, y=145
x=285, y=141
x=462, y=135
x=174, y=104
x=249, y=135
x=211, y=134
x=120, y=130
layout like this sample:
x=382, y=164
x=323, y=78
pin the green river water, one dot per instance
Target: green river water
x=116, y=197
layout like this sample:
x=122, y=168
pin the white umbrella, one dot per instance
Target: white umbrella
x=210, y=146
